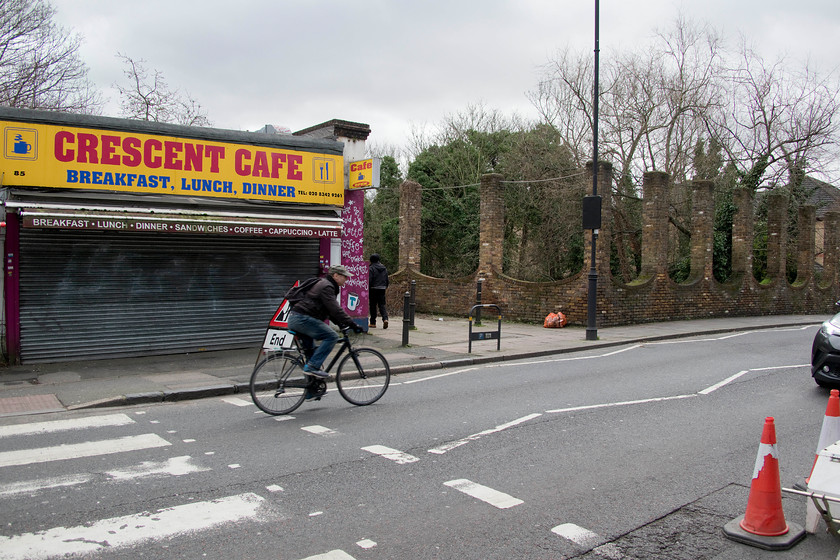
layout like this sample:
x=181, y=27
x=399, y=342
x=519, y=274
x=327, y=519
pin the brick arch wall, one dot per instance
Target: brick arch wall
x=653, y=295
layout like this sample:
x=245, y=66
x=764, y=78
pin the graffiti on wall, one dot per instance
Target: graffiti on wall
x=354, y=295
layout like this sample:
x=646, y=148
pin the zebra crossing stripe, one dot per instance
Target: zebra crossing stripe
x=130, y=530
x=32, y=486
x=174, y=466
x=77, y=450
x=483, y=493
x=63, y=425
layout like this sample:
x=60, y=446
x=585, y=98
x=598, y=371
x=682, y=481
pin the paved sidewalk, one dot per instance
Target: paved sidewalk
x=435, y=343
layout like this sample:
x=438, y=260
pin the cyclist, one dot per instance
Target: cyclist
x=307, y=318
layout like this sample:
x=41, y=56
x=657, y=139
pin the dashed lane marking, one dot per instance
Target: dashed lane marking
x=236, y=401
x=483, y=493
x=331, y=555
x=588, y=539
x=394, y=455
x=319, y=430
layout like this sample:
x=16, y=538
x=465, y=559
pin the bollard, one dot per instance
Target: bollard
x=406, y=318
x=478, y=302
x=412, y=303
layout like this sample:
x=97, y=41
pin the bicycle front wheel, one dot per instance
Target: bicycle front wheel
x=278, y=384
x=363, y=376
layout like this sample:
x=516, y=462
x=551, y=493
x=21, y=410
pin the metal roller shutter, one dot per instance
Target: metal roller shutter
x=97, y=294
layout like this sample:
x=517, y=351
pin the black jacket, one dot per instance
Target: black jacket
x=378, y=276
x=320, y=303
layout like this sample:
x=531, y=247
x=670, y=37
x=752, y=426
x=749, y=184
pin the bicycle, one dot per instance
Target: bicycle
x=279, y=386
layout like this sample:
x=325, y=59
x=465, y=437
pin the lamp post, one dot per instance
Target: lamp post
x=592, y=208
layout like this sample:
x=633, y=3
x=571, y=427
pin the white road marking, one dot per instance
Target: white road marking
x=624, y=403
x=483, y=493
x=33, y=486
x=319, y=430
x=175, y=466
x=587, y=539
x=568, y=359
x=696, y=340
x=236, y=401
x=397, y=456
x=63, y=425
x=732, y=378
x=274, y=488
x=331, y=555
x=366, y=544
x=130, y=529
x=429, y=378
x=440, y=450
x=77, y=450
x=726, y=381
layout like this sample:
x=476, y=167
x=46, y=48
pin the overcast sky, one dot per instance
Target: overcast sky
x=398, y=64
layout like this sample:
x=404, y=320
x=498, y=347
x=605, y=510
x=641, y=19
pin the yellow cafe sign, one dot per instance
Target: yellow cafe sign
x=66, y=157
x=363, y=174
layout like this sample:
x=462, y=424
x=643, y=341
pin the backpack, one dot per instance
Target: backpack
x=298, y=293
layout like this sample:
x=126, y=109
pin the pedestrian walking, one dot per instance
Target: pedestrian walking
x=377, y=285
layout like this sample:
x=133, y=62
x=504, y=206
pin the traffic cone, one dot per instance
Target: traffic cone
x=763, y=525
x=830, y=431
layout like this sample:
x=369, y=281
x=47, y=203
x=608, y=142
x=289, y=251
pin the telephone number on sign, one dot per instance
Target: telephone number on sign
x=318, y=193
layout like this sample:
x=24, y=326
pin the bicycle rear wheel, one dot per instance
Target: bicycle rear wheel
x=278, y=384
x=363, y=376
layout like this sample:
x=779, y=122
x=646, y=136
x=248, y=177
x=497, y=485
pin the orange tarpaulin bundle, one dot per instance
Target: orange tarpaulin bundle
x=554, y=321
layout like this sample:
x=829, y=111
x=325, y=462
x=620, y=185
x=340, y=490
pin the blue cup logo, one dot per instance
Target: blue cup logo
x=352, y=301
x=21, y=147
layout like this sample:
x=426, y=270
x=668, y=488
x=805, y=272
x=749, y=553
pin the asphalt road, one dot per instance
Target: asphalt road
x=641, y=451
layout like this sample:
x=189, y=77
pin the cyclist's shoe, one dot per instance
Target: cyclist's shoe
x=315, y=372
x=311, y=397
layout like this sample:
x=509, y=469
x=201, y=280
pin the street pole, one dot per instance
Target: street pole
x=592, y=299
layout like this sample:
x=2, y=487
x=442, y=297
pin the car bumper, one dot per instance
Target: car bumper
x=825, y=358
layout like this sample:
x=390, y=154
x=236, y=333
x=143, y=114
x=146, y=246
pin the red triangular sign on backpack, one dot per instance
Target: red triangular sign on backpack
x=282, y=314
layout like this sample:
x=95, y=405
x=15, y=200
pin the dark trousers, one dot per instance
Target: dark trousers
x=377, y=302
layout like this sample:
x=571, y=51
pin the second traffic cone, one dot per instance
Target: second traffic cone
x=830, y=431
x=763, y=525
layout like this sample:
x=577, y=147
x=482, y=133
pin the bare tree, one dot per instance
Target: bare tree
x=563, y=99
x=779, y=123
x=148, y=97
x=773, y=123
x=652, y=102
x=40, y=66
